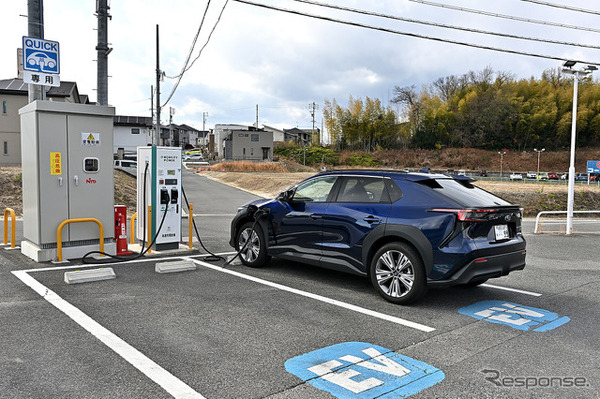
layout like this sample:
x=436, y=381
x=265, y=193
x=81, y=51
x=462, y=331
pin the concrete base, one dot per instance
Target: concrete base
x=182, y=250
x=86, y=276
x=175, y=266
x=38, y=254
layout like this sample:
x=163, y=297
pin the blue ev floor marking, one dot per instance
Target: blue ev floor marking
x=517, y=316
x=362, y=370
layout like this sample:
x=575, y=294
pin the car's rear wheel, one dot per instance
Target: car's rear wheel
x=252, y=247
x=397, y=273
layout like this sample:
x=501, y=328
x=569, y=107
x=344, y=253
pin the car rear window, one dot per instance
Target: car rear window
x=465, y=193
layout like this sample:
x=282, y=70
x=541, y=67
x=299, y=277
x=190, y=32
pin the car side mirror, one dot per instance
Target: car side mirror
x=286, y=196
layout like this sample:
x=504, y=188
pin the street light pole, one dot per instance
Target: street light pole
x=577, y=74
x=538, y=168
x=501, y=155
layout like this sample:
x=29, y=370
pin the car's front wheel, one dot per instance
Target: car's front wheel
x=252, y=247
x=397, y=273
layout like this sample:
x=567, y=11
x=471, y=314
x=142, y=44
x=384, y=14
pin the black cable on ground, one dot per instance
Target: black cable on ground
x=212, y=257
x=125, y=258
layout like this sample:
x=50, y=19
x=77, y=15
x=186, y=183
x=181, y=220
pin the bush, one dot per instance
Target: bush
x=365, y=160
x=313, y=155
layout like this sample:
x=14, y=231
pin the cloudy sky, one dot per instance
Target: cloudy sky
x=283, y=62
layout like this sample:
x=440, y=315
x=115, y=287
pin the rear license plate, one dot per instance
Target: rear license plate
x=501, y=232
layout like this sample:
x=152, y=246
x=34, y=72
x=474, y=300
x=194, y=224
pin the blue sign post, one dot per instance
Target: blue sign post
x=41, y=61
x=593, y=166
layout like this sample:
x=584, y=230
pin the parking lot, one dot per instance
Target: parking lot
x=295, y=331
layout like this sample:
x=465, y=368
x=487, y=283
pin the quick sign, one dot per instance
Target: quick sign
x=362, y=370
x=593, y=166
x=517, y=316
x=41, y=56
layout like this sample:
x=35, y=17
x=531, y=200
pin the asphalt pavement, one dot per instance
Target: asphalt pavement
x=294, y=331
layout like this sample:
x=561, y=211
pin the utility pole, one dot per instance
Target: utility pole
x=312, y=108
x=35, y=28
x=158, y=76
x=103, y=51
x=257, y=116
x=204, y=115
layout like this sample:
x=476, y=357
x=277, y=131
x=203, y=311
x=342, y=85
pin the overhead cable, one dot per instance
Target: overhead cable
x=438, y=25
x=493, y=14
x=187, y=60
x=187, y=67
x=409, y=34
x=565, y=7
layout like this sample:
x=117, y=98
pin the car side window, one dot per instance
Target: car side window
x=314, y=190
x=363, y=189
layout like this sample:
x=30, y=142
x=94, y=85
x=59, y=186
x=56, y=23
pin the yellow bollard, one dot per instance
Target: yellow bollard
x=191, y=222
x=149, y=223
x=63, y=224
x=132, y=229
x=12, y=231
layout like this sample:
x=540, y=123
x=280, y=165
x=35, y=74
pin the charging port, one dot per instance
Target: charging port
x=164, y=196
x=174, y=196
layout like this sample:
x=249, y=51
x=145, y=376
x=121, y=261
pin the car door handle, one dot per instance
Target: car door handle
x=316, y=216
x=371, y=219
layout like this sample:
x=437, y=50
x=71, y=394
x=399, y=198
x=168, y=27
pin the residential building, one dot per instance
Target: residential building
x=303, y=137
x=129, y=132
x=14, y=96
x=278, y=134
x=247, y=144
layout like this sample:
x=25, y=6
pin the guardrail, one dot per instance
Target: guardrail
x=12, y=230
x=80, y=220
x=538, y=228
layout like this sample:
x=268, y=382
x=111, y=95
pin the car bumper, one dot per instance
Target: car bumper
x=484, y=268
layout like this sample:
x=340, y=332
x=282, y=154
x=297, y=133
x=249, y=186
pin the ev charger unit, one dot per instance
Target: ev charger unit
x=162, y=193
x=67, y=173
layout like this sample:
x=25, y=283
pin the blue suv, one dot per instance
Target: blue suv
x=404, y=231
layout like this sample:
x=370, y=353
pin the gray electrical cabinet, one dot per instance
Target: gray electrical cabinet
x=67, y=172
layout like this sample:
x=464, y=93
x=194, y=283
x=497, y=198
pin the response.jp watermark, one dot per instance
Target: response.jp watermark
x=529, y=382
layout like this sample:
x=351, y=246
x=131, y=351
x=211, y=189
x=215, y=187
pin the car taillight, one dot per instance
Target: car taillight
x=469, y=215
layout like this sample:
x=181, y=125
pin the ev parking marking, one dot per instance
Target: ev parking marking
x=517, y=316
x=152, y=370
x=321, y=298
x=362, y=370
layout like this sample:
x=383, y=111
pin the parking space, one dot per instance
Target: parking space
x=291, y=330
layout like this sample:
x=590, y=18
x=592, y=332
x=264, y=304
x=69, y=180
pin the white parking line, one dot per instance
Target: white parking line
x=152, y=370
x=511, y=289
x=341, y=304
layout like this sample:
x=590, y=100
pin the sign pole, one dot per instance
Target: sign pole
x=35, y=28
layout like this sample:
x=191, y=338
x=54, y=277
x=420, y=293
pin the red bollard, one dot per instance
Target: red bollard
x=121, y=230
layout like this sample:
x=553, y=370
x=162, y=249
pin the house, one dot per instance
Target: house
x=220, y=133
x=129, y=132
x=14, y=96
x=247, y=144
x=181, y=136
x=303, y=137
x=278, y=134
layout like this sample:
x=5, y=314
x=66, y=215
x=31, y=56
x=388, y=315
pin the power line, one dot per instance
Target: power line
x=492, y=14
x=187, y=59
x=187, y=67
x=570, y=8
x=438, y=25
x=415, y=35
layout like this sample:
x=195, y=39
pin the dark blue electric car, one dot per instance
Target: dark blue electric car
x=404, y=231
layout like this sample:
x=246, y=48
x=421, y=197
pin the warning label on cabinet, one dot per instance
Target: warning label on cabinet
x=55, y=163
x=90, y=139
